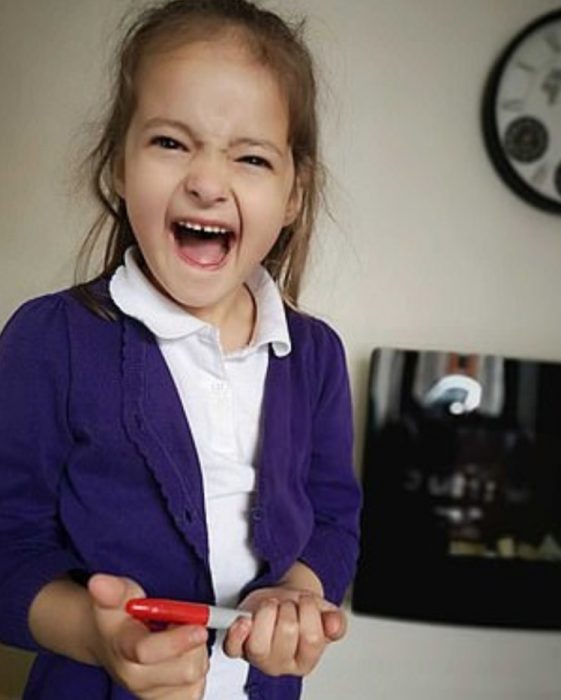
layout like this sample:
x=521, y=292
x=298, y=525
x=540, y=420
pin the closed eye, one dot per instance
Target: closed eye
x=256, y=161
x=167, y=143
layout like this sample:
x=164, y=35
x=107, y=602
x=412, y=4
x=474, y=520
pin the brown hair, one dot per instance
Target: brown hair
x=276, y=45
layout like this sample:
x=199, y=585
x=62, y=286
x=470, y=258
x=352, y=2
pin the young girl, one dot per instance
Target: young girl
x=175, y=427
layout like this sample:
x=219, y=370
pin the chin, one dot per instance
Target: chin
x=195, y=303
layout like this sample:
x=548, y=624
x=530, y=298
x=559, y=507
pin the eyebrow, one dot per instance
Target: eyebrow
x=160, y=121
x=155, y=122
x=261, y=143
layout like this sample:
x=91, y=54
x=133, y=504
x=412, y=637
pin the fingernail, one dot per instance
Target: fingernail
x=239, y=629
x=198, y=635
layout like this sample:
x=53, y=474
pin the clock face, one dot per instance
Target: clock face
x=522, y=113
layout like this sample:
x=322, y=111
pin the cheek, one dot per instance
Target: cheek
x=265, y=243
x=267, y=204
x=146, y=201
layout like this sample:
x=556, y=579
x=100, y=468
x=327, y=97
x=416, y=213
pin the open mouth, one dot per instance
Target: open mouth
x=203, y=245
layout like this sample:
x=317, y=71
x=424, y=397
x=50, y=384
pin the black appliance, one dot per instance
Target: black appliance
x=462, y=490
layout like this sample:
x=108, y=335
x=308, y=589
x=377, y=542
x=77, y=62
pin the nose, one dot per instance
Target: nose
x=206, y=179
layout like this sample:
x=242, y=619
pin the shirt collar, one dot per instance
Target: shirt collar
x=137, y=297
x=271, y=325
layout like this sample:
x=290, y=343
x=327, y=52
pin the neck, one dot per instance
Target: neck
x=236, y=323
x=235, y=320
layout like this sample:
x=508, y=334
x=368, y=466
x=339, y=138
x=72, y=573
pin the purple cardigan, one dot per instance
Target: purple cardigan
x=98, y=472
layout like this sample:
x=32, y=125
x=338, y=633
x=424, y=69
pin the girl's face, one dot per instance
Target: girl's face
x=207, y=174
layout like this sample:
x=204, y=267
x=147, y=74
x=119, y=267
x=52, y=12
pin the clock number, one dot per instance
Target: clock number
x=552, y=85
x=540, y=175
x=525, y=67
x=513, y=105
x=552, y=40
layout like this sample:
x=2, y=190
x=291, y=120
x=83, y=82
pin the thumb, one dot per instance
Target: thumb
x=117, y=631
x=112, y=592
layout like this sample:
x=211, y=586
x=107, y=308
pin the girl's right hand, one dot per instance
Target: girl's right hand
x=167, y=665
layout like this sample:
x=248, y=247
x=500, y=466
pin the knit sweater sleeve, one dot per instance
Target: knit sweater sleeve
x=35, y=439
x=332, y=550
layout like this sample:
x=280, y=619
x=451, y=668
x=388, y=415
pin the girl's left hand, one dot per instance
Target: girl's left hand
x=289, y=631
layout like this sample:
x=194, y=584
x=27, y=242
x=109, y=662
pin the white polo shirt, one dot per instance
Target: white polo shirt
x=222, y=396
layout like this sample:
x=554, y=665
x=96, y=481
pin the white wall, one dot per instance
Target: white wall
x=430, y=249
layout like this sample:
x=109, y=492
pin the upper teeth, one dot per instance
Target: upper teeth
x=205, y=229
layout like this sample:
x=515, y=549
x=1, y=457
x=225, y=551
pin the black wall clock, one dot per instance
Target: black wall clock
x=522, y=113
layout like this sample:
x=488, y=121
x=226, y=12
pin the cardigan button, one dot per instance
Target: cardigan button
x=256, y=514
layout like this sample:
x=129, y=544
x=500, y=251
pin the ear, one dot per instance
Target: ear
x=294, y=203
x=118, y=175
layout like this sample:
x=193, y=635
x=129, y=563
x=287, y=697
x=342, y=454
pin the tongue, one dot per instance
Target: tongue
x=203, y=252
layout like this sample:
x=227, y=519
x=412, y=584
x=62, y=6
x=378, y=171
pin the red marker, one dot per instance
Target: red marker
x=181, y=613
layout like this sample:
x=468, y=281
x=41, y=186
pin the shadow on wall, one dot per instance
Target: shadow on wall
x=14, y=667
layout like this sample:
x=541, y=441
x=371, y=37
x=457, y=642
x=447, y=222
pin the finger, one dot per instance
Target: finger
x=286, y=634
x=188, y=669
x=258, y=645
x=128, y=636
x=156, y=647
x=334, y=625
x=333, y=618
x=312, y=639
x=193, y=692
x=236, y=636
x=325, y=605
